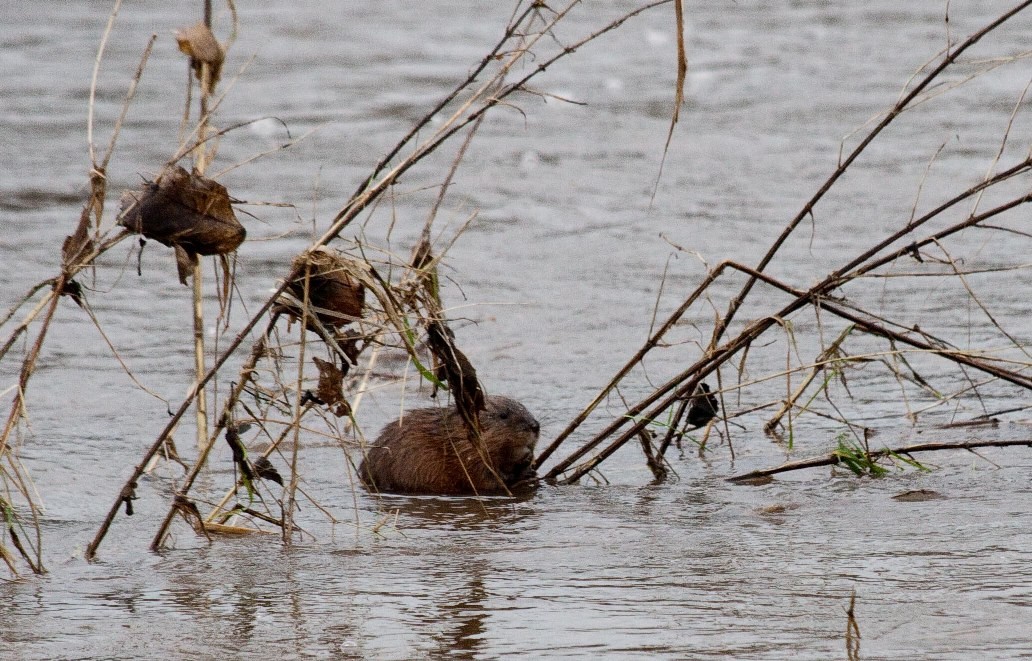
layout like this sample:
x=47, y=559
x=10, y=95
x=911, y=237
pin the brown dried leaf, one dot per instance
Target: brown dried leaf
x=185, y=210
x=78, y=245
x=232, y=437
x=455, y=368
x=200, y=45
x=704, y=406
x=185, y=263
x=331, y=382
x=337, y=296
x=264, y=469
x=422, y=254
x=348, y=342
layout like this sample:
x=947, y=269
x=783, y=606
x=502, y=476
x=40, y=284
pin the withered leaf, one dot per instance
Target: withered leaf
x=199, y=44
x=336, y=296
x=264, y=469
x=185, y=211
x=185, y=263
x=73, y=290
x=127, y=496
x=348, y=342
x=422, y=255
x=704, y=406
x=331, y=382
x=78, y=245
x=188, y=510
x=239, y=453
x=455, y=368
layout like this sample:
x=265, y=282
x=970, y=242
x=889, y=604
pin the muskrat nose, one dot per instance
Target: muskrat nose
x=534, y=426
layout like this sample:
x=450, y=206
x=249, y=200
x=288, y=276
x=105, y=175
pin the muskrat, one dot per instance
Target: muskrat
x=432, y=451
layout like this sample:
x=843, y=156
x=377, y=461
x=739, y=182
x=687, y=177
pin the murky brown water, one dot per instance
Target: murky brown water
x=563, y=269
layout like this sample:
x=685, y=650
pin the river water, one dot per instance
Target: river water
x=552, y=287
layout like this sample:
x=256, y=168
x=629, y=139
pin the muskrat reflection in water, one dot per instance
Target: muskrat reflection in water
x=431, y=451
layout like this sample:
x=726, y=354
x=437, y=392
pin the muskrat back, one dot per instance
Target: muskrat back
x=432, y=451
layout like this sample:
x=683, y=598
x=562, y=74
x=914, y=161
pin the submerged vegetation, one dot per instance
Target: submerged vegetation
x=299, y=365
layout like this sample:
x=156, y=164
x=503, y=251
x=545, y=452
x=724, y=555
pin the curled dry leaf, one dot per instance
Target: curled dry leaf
x=264, y=469
x=704, y=406
x=335, y=294
x=201, y=46
x=348, y=342
x=128, y=495
x=455, y=368
x=188, y=510
x=188, y=212
x=77, y=246
x=239, y=453
x=331, y=386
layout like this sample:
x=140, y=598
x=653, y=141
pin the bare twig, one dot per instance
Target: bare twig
x=832, y=459
x=895, y=111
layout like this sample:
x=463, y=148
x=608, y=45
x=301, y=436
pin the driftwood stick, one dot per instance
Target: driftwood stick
x=831, y=459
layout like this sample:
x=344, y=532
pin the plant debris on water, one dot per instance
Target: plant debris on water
x=304, y=357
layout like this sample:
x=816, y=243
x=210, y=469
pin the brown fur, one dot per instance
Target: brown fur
x=431, y=451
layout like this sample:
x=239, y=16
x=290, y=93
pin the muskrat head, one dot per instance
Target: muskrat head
x=511, y=432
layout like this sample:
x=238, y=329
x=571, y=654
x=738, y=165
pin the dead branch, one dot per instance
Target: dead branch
x=683, y=384
x=895, y=111
x=856, y=267
x=832, y=459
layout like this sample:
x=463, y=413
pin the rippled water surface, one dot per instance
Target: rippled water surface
x=555, y=285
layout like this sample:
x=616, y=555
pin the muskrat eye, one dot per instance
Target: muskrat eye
x=504, y=415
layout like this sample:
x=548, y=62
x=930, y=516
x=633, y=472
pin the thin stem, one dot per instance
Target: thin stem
x=199, y=362
x=832, y=459
x=896, y=110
